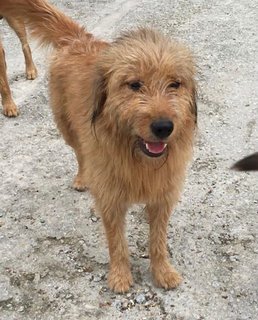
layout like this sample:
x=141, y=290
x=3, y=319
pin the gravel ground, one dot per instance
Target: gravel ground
x=53, y=254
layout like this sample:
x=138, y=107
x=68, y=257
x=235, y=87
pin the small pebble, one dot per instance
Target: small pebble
x=94, y=219
x=140, y=298
x=21, y=309
x=97, y=278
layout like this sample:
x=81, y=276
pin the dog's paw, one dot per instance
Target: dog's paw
x=79, y=184
x=31, y=73
x=10, y=109
x=165, y=276
x=120, y=280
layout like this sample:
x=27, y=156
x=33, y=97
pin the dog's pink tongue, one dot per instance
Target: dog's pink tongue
x=155, y=147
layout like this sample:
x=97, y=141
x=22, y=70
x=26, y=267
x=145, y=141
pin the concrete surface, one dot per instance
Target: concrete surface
x=53, y=254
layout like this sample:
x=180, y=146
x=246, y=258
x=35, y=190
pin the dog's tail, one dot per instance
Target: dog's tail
x=46, y=23
x=249, y=163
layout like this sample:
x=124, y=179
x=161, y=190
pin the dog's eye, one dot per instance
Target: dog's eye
x=174, y=85
x=135, y=86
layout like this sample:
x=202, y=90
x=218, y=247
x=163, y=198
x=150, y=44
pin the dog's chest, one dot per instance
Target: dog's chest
x=143, y=186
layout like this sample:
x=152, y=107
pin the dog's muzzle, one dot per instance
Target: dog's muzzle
x=161, y=129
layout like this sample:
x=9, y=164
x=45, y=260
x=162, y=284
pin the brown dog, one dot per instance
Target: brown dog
x=9, y=107
x=128, y=110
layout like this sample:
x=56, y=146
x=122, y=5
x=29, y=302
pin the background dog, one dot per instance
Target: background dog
x=9, y=107
x=249, y=163
x=128, y=110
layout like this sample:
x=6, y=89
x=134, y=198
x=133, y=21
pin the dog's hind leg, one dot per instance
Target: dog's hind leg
x=79, y=182
x=9, y=106
x=164, y=274
x=18, y=26
x=113, y=217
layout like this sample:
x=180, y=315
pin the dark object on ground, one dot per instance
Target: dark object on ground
x=249, y=163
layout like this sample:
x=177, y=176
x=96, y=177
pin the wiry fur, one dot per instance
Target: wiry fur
x=9, y=107
x=101, y=118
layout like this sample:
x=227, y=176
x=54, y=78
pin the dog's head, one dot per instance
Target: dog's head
x=145, y=92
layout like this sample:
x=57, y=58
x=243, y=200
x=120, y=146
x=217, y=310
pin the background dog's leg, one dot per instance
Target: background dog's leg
x=18, y=26
x=113, y=216
x=163, y=272
x=10, y=109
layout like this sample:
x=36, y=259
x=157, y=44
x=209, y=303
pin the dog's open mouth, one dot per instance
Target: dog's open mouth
x=153, y=149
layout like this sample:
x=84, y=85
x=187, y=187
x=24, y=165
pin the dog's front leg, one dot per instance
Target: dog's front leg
x=113, y=216
x=164, y=274
x=10, y=109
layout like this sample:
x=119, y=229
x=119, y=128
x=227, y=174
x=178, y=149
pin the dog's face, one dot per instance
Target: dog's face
x=146, y=92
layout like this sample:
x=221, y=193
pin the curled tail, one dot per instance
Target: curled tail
x=46, y=23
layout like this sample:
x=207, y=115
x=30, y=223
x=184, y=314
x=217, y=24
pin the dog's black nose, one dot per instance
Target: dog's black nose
x=162, y=128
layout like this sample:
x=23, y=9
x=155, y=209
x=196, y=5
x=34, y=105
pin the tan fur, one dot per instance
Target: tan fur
x=101, y=118
x=9, y=107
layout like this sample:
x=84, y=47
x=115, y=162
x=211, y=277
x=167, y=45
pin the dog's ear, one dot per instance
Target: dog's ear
x=99, y=96
x=193, y=103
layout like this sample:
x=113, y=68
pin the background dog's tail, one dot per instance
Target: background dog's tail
x=249, y=163
x=46, y=23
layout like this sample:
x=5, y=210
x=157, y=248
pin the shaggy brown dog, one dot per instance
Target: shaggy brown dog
x=9, y=107
x=128, y=110
x=249, y=163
